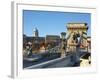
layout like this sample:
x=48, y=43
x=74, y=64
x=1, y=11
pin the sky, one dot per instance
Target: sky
x=52, y=23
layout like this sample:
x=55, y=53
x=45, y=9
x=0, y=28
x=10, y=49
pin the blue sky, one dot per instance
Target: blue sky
x=52, y=23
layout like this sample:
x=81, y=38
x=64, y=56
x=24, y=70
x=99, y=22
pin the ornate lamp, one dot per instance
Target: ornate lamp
x=63, y=35
x=63, y=50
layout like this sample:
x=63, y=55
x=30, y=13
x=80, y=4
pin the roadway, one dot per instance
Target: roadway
x=68, y=61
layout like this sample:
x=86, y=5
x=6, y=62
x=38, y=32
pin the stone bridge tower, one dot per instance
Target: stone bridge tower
x=77, y=35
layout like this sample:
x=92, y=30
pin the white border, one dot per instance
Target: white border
x=17, y=32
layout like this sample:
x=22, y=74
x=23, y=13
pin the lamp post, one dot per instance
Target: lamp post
x=29, y=49
x=63, y=45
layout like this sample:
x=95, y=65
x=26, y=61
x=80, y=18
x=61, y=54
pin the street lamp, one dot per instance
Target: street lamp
x=63, y=45
x=63, y=35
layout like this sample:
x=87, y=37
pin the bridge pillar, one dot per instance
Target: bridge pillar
x=77, y=30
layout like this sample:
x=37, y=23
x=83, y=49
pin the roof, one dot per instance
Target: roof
x=35, y=38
